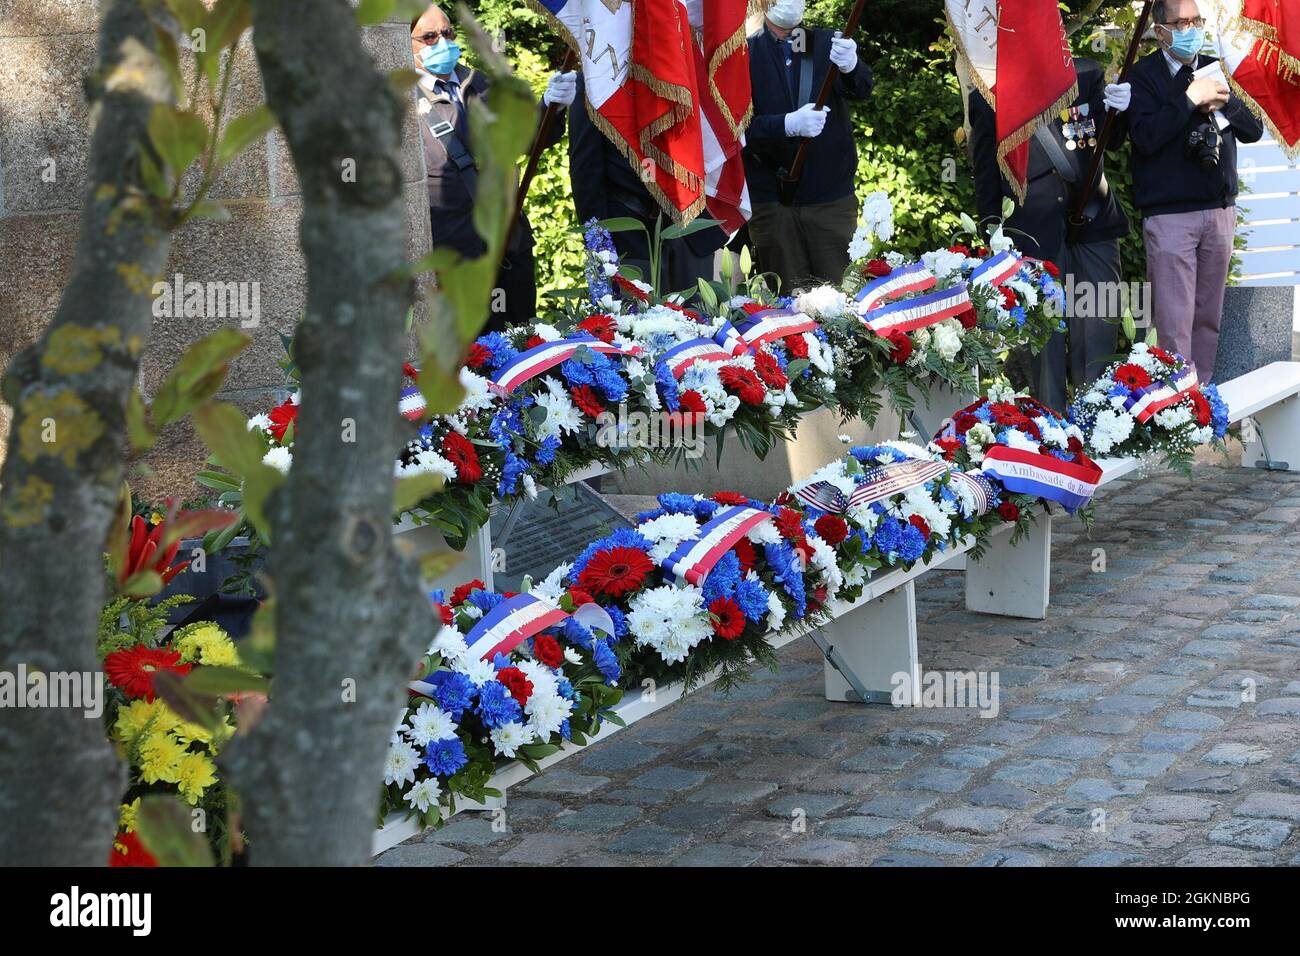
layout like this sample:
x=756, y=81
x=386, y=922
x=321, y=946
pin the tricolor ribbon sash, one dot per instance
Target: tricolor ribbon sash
x=877, y=483
x=510, y=623
x=774, y=324
x=693, y=559
x=530, y=364
x=998, y=270
x=411, y=404
x=729, y=339
x=918, y=313
x=915, y=278
x=1145, y=402
x=1030, y=473
x=681, y=357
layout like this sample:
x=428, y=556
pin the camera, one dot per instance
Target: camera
x=1203, y=144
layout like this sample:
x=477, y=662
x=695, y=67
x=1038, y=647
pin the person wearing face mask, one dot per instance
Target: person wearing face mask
x=1185, y=132
x=806, y=242
x=449, y=92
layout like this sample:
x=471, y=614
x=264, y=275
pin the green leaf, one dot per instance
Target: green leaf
x=243, y=130
x=169, y=53
x=623, y=224
x=165, y=827
x=217, y=480
x=211, y=681
x=189, y=13
x=178, y=136
x=370, y=12
x=225, y=431
x=698, y=225
x=209, y=209
x=198, y=375
x=119, y=531
x=138, y=428
x=152, y=177
x=441, y=389
x=414, y=489
x=145, y=583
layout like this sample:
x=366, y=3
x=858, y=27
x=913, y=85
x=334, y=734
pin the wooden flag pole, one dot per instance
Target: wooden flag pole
x=1077, y=218
x=790, y=181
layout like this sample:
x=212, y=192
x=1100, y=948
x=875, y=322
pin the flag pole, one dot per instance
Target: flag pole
x=535, y=154
x=1077, y=219
x=790, y=181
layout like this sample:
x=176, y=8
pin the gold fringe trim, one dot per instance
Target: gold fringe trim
x=730, y=47
x=1290, y=149
x=1022, y=136
x=1266, y=33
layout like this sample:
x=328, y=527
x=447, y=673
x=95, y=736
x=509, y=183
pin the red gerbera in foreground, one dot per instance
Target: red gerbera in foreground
x=515, y=681
x=615, y=571
x=547, y=650
x=796, y=345
x=534, y=341
x=743, y=383
x=282, y=416
x=691, y=407
x=1132, y=376
x=135, y=855
x=768, y=369
x=727, y=618
x=601, y=326
x=584, y=396
x=133, y=669
x=1200, y=407
x=456, y=448
x=832, y=529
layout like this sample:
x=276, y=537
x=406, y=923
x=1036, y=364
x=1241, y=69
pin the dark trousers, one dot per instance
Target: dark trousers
x=680, y=269
x=514, y=300
x=1092, y=335
x=805, y=246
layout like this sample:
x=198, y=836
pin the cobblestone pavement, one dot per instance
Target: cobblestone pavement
x=1127, y=734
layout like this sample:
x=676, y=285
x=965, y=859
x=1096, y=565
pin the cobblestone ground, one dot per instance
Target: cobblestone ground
x=1127, y=734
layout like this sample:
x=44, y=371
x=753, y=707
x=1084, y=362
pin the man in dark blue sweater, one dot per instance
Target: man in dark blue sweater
x=805, y=243
x=1185, y=181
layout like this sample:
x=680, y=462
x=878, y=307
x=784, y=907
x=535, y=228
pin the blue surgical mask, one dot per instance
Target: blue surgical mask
x=441, y=58
x=1187, y=43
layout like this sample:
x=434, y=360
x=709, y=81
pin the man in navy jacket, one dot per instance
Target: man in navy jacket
x=805, y=243
x=1187, y=193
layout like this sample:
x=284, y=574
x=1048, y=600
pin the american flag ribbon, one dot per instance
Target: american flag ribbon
x=978, y=488
x=1144, y=403
x=773, y=324
x=528, y=365
x=681, y=357
x=882, y=481
x=1030, y=473
x=997, y=270
x=693, y=559
x=920, y=312
x=914, y=278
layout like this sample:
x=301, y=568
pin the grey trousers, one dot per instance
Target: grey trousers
x=1092, y=335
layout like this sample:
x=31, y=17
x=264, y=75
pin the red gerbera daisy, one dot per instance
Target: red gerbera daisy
x=729, y=498
x=133, y=669
x=580, y=597
x=601, y=326
x=1200, y=408
x=769, y=370
x=282, y=416
x=615, y=571
x=625, y=285
x=796, y=346
x=517, y=682
x=459, y=595
x=584, y=396
x=901, y=344
x=135, y=855
x=753, y=308
x=1132, y=376
x=691, y=404
x=1163, y=355
x=784, y=498
x=878, y=268
x=458, y=450
x=479, y=355
x=743, y=383
x=727, y=618
x=547, y=650
x=832, y=529
x=964, y=422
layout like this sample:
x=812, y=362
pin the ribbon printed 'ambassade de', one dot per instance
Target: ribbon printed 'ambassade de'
x=1029, y=473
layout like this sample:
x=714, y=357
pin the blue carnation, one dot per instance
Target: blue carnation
x=500, y=347
x=606, y=662
x=723, y=578
x=786, y=571
x=706, y=508
x=888, y=537
x=438, y=596
x=546, y=453
x=677, y=503
x=667, y=386
x=576, y=634
x=485, y=600
x=496, y=707
x=619, y=618
x=445, y=757
x=752, y=598
x=912, y=545
x=453, y=692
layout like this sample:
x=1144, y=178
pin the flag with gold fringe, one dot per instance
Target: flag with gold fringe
x=1259, y=44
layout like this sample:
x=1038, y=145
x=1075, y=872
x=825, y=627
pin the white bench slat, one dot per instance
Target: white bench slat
x=1264, y=387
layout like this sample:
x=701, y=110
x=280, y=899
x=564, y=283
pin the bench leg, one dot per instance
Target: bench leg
x=1278, y=428
x=875, y=642
x=1013, y=581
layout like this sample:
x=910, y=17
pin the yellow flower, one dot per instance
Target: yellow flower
x=194, y=775
x=160, y=758
x=156, y=518
x=140, y=716
x=207, y=644
x=126, y=816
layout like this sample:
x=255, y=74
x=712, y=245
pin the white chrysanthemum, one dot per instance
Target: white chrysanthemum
x=764, y=533
x=508, y=738
x=920, y=502
x=425, y=793
x=281, y=459
x=551, y=587
x=429, y=723
x=546, y=713
x=562, y=416
x=572, y=656
x=530, y=486
x=547, y=333
x=478, y=671
x=944, y=264
x=878, y=215
x=542, y=677
x=775, y=612
x=823, y=302
x=1026, y=290
x=1202, y=435
x=670, y=527
x=259, y=423
x=669, y=620
x=908, y=449
x=1018, y=439
x=864, y=517
x=477, y=397
x=823, y=561
x=400, y=764
x=1173, y=417
x=426, y=461
x=449, y=643
x=1110, y=428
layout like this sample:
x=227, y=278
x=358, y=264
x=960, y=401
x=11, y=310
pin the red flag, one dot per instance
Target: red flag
x=1259, y=44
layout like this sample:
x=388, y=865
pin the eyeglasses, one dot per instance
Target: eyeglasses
x=433, y=36
x=1187, y=23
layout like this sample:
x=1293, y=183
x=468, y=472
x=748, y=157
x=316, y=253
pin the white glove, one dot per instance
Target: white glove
x=807, y=121
x=844, y=53
x=561, y=89
x=1118, y=96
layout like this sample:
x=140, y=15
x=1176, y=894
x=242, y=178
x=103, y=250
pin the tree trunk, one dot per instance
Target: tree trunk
x=60, y=780
x=350, y=621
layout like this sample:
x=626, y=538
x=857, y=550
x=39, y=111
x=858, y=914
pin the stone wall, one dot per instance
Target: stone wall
x=46, y=47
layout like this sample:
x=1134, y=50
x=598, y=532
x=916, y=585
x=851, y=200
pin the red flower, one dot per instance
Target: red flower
x=142, y=553
x=456, y=448
x=410, y=371
x=819, y=595
x=444, y=613
x=133, y=669
x=958, y=247
x=615, y=571
x=1074, y=445
x=479, y=355
x=1163, y=355
x=1050, y=268
x=1132, y=376
x=796, y=345
x=964, y=422
x=584, y=396
x=949, y=446
x=1009, y=299
x=784, y=499
x=902, y=346
x=969, y=319
x=534, y=341
x=515, y=681
x=459, y=595
x=693, y=402
x=727, y=618
x=919, y=523
x=601, y=326
x=1200, y=407
x=832, y=529
x=547, y=650
x=878, y=268
x=135, y=855
x=1008, y=511
x=625, y=285
x=580, y=597
x=745, y=554
x=282, y=416
x=769, y=370
x=790, y=525
x=744, y=383
x=981, y=253
x=753, y=308
x=729, y=498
